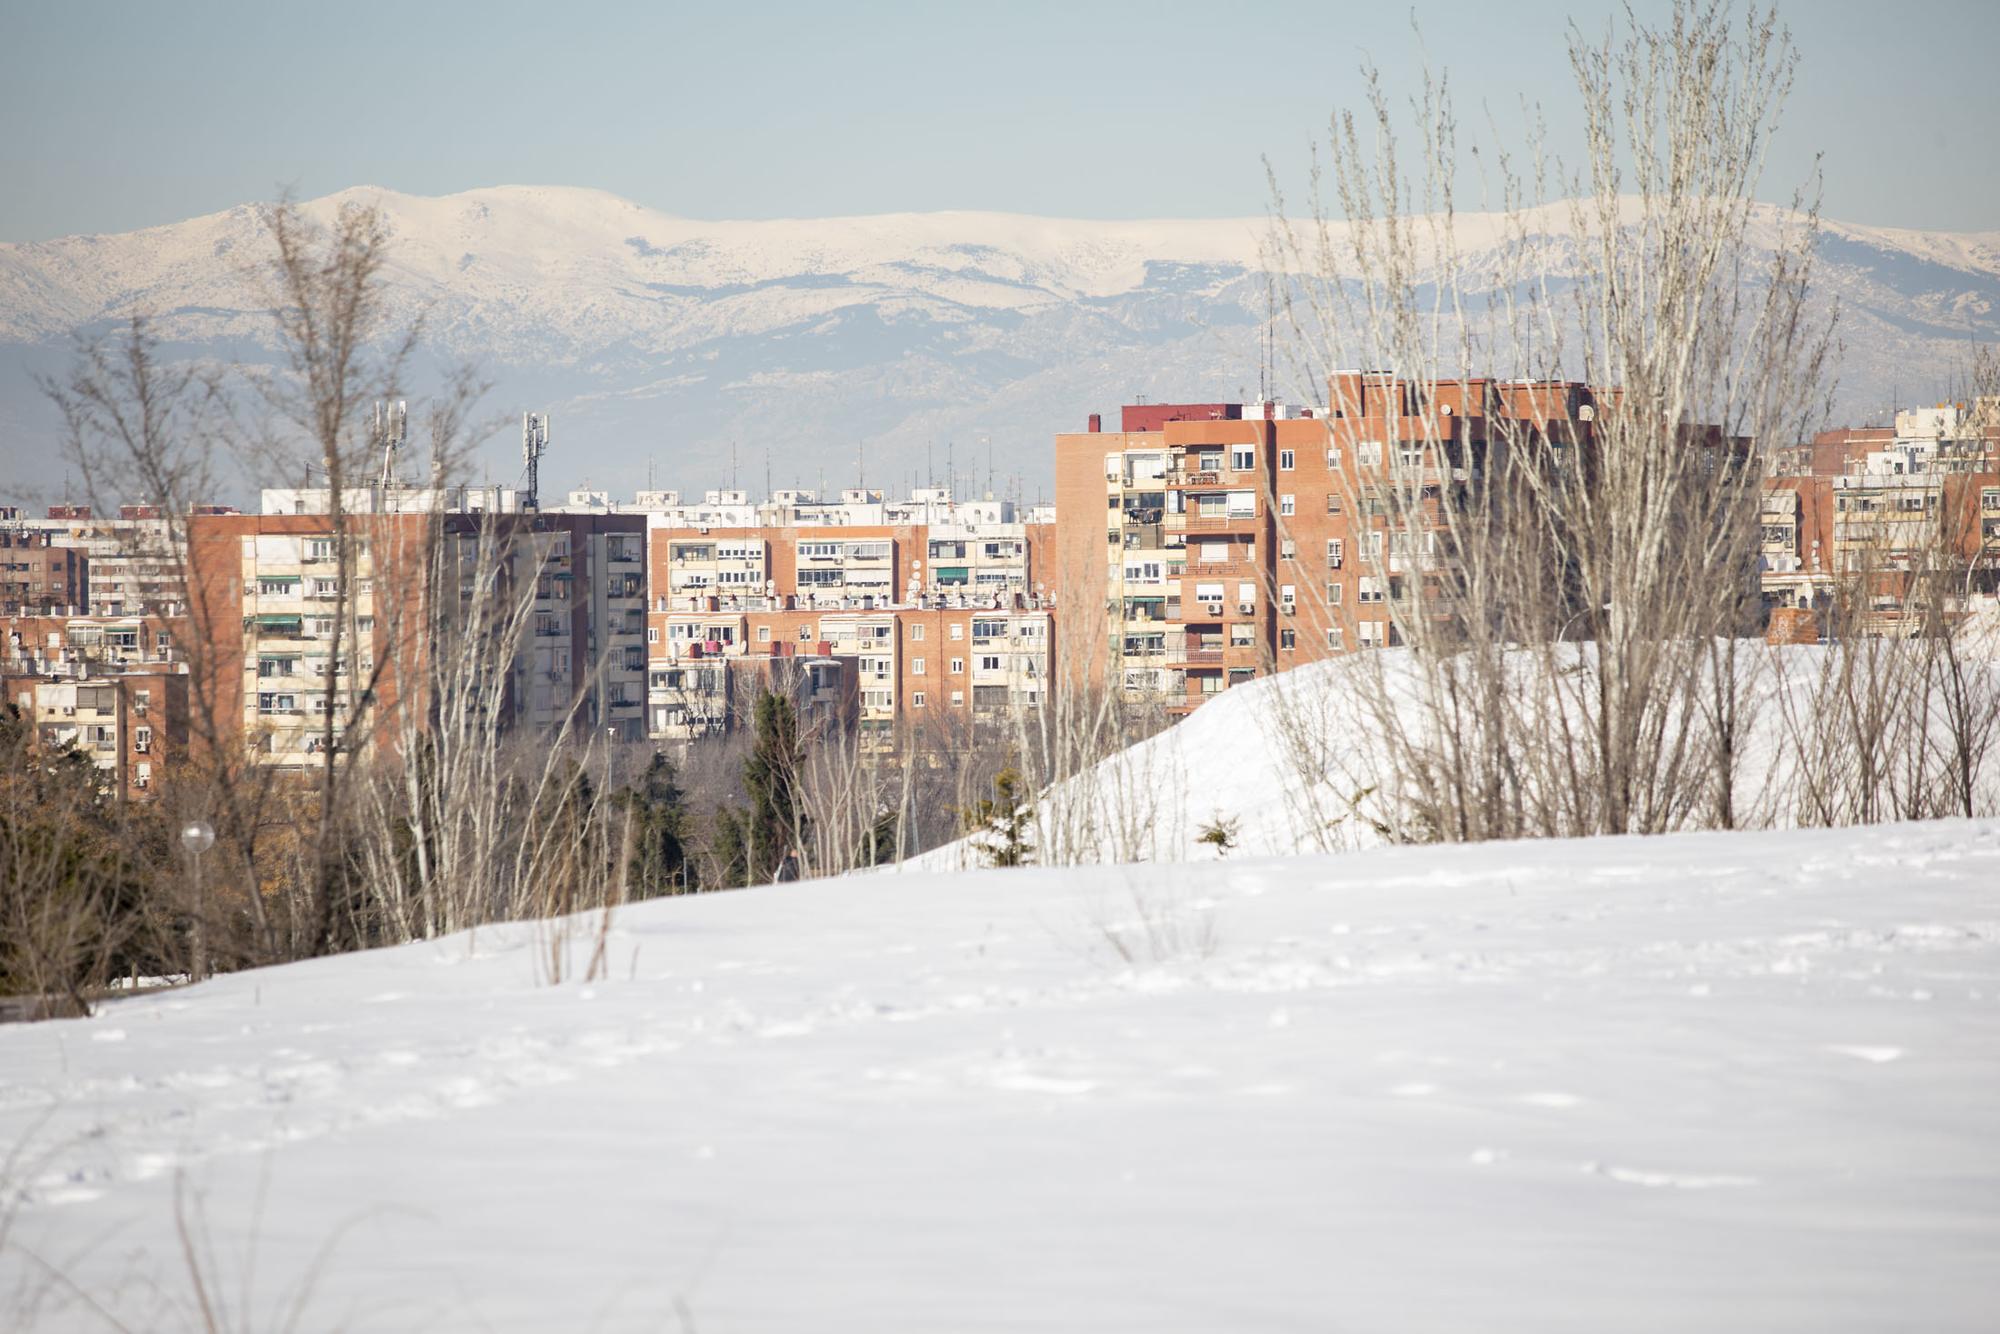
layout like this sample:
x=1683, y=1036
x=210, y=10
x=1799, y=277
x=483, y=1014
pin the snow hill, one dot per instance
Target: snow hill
x=1292, y=764
x=1711, y=1082
x=965, y=337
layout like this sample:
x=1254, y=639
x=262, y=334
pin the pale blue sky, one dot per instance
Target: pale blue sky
x=123, y=115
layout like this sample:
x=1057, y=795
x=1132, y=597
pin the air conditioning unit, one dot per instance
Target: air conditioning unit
x=1246, y=608
x=142, y=747
x=1290, y=608
x=69, y=710
x=1212, y=608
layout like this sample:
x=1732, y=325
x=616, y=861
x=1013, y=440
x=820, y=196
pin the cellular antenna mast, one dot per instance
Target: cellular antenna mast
x=392, y=428
x=534, y=444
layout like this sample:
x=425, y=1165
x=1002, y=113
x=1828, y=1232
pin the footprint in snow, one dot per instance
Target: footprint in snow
x=1668, y=1180
x=1873, y=1055
x=1558, y=1100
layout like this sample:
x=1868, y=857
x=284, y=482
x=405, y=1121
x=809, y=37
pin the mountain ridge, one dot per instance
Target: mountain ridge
x=649, y=333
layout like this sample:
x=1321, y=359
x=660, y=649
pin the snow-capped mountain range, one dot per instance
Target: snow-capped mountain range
x=675, y=346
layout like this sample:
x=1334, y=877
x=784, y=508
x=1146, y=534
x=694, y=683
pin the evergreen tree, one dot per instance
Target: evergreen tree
x=754, y=843
x=1000, y=823
x=659, y=855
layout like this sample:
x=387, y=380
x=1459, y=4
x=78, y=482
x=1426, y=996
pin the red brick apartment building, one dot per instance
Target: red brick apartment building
x=39, y=577
x=942, y=622
x=1203, y=545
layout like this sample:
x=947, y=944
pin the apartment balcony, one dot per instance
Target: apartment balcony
x=1225, y=569
x=1219, y=523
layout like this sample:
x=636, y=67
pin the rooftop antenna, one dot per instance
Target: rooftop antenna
x=732, y=465
x=534, y=444
x=392, y=428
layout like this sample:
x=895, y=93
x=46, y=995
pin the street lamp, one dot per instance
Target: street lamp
x=196, y=838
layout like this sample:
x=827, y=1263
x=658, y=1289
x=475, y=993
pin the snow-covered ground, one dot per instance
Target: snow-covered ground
x=1294, y=762
x=1708, y=1082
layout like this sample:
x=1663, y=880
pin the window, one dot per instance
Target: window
x=958, y=631
x=958, y=698
x=917, y=633
x=918, y=666
x=1336, y=550
x=805, y=633
x=1288, y=597
x=1369, y=591
x=319, y=548
x=1287, y=549
x=989, y=663
x=1333, y=591
x=143, y=777
x=1240, y=636
x=1288, y=639
x=1332, y=503
x=1333, y=457
x=1242, y=458
x=763, y=634
x=1288, y=505
x=652, y=634
x=1368, y=453
x=1287, y=460
x=141, y=700
x=1333, y=637
x=957, y=666
x=917, y=700
x=142, y=739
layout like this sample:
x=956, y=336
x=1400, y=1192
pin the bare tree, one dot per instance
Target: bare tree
x=1561, y=562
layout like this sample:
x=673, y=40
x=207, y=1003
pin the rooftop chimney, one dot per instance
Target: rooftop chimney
x=1096, y=422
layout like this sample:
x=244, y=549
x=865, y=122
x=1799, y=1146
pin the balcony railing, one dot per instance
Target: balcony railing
x=1219, y=523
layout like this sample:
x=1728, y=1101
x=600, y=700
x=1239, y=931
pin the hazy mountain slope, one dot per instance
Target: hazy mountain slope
x=656, y=336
